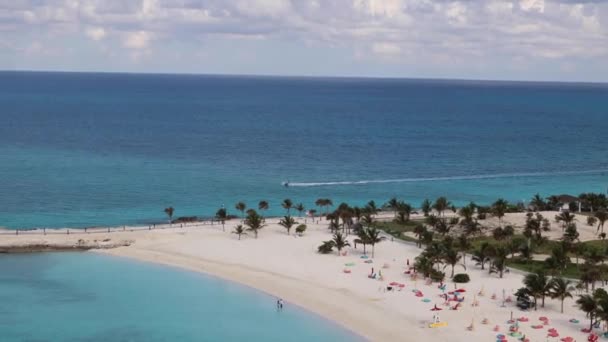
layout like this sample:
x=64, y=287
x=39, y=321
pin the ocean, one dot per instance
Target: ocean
x=97, y=298
x=97, y=149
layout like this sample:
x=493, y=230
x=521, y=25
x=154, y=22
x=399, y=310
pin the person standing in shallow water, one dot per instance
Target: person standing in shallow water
x=280, y=304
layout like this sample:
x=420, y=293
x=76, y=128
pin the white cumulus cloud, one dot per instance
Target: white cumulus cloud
x=137, y=40
x=95, y=33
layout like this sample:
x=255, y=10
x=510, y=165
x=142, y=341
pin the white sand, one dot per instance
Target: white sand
x=289, y=267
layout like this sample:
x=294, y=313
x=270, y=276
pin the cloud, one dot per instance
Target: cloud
x=95, y=33
x=465, y=31
x=137, y=40
x=386, y=49
x=532, y=5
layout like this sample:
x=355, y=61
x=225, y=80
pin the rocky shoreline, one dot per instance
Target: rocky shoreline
x=65, y=246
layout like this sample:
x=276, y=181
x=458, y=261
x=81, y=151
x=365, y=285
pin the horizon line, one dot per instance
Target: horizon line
x=296, y=76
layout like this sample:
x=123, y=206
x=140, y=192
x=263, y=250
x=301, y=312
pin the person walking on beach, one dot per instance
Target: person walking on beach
x=280, y=304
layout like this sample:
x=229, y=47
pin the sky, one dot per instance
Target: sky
x=546, y=40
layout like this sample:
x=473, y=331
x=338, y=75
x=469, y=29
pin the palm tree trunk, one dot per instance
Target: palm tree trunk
x=373, y=249
x=562, y=305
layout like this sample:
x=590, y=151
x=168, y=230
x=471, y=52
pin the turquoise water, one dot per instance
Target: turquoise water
x=90, y=297
x=82, y=149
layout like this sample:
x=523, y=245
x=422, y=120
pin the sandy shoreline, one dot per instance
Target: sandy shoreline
x=289, y=267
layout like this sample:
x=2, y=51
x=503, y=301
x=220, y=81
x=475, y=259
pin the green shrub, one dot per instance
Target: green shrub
x=326, y=247
x=461, y=278
x=591, y=220
x=300, y=229
x=437, y=275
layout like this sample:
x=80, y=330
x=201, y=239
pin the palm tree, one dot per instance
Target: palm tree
x=419, y=230
x=426, y=207
x=312, y=213
x=602, y=307
x=451, y=257
x=374, y=238
x=499, y=209
x=287, y=204
x=464, y=245
x=371, y=207
x=169, y=211
x=602, y=217
x=566, y=218
x=526, y=250
x=392, y=205
x=552, y=202
x=363, y=239
x=403, y=211
x=424, y=265
x=263, y=205
x=221, y=215
x=300, y=208
x=499, y=260
x=367, y=219
x=241, y=206
x=537, y=284
x=467, y=213
x=324, y=203
x=590, y=274
x=320, y=203
x=287, y=222
x=560, y=288
x=588, y=304
x=239, y=230
x=357, y=212
x=441, y=204
x=559, y=259
x=340, y=242
x=482, y=254
x=427, y=237
x=254, y=222
x=538, y=203
x=571, y=233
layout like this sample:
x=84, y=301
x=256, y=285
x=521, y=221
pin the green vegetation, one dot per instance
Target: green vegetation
x=570, y=271
x=461, y=278
x=300, y=229
x=395, y=228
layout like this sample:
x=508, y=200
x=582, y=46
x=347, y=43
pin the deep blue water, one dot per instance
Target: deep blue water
x=97, y=298
x=82, y=149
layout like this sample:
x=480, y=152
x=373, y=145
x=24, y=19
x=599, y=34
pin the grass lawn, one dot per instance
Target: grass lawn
x=397, y=229
x=571, y=271
x=545, y=248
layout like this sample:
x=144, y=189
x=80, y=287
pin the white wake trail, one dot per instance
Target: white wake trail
x=449, y=178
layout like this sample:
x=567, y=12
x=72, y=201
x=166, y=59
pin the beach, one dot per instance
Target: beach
x=290, y=268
